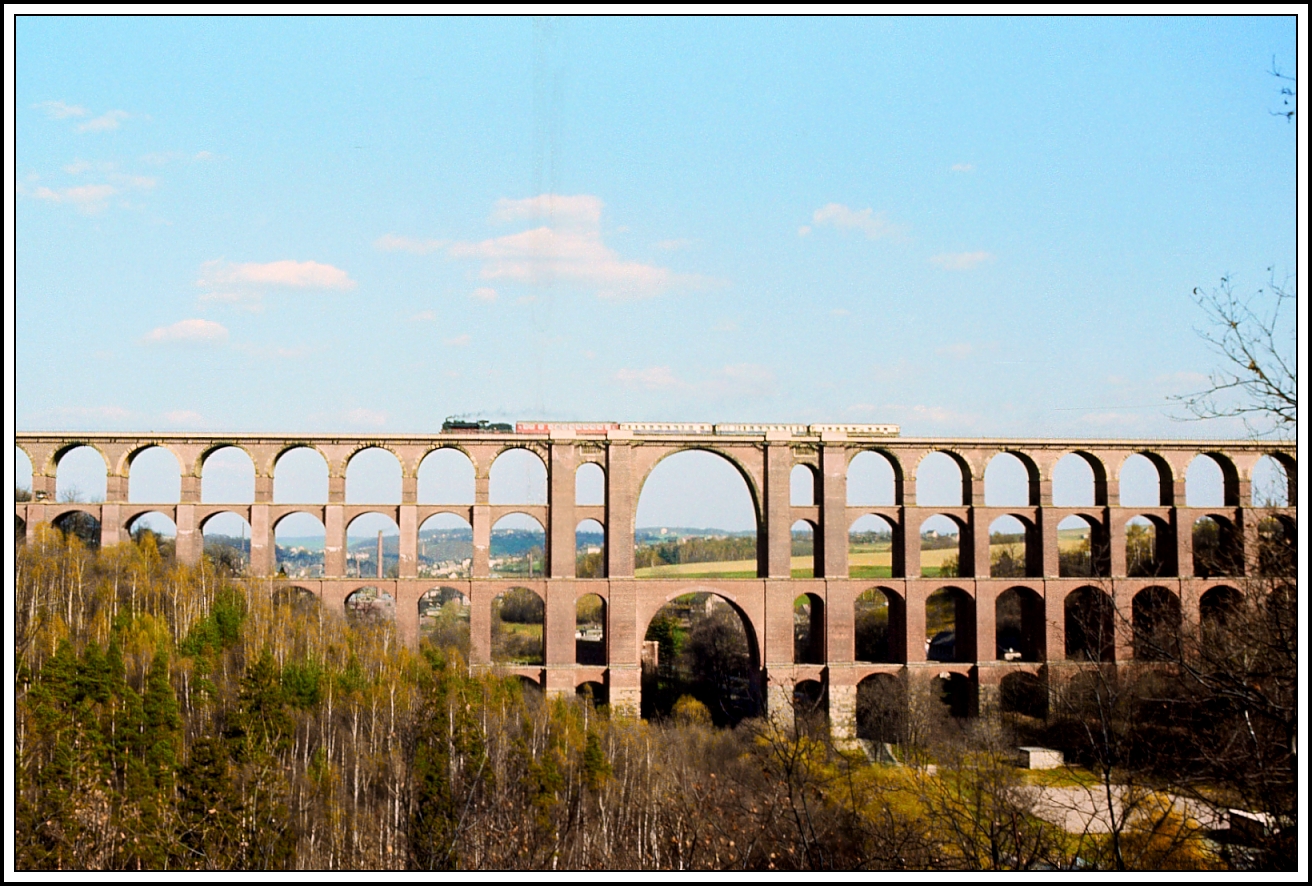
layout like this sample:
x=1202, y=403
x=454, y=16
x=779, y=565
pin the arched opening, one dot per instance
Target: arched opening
x=227, y=476
x=81, y=475
x=154, y=528
x=1156, y=618
x=1205, y=483
x=881, y=709
x=1217, y=547
x=879, y=626
x=592, y=693
x=941, y=553
x=20, y=531
x=1024, y=694
x=590, y=550
x=444, y=619
x=1277, y=547
x=1009, y=482
x=1272, y=483
x=446, y=547
x=1079, y=481
x=954, y=693
x=298, y=540
x=22, y=476
x=294, y=600
x=1019, y=625
x=809, y=630
x=300, y=476
x=373, y=476
x=700, y=645
x=82, y=526
x=804, y=552
x=590, y=484
x=445, y=477
x=870, y=548
x=810, y=704
x=1082, y=550
x=518, y=477
x=1146, y=547
x=154, y=476
x=1216, y=611
x=1090, y=636
x=941, y=481
x=871, y=480
x=373, y=547
x=1144, y=484
x=517, y=619
x=370, y=606
x=227, y=541
x=696, y=518
x=517, y=547
x=950, y=626
x=590, y=630
x=1010, y=553
x=802, y=487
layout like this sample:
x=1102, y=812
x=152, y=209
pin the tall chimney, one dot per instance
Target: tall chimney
x=380, y=553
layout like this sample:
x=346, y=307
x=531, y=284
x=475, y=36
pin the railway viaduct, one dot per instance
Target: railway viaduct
x=765, y=456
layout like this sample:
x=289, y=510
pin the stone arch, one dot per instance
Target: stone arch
x=221, y=544
x=517, y=547
x=937, y=549
x=517, y=476
x=879, y=626
x=297, y=598
x=1216, y=607
x=518, y=621
x=1273, y=480
x=20, y=531
x=1011, y=479
x=590, y=484
x=23, y=472
x=874, y=478
x=1149, y=547
x=445, y=547
x=82, y=525
x=1089, y=625
x=1007, y=561
x=1277, y=545
x=220, y=466
x=1083, y=550
x=803, y=486
x=955, y=692
x=152, y=477
x=445, y=475
x=365, y=527
x=367, y=604
x=1217, y=547
x=881, y=709
x=78, y=475
x=1020, y=625
x=1025, y=694
x=298, y=560
x=809, y=629
x=291, y=489
x=745, y=474
x=805, y=555
x=950, y=625
x=589, y=549
x=810, y=701
x=1165, y=492
x=444, y=618
x=590, y=634
x=1227, y=495
x=592, y=692
x=158, y=522
x=941, y=497
x=373, y=475
x=1156, y=619
x=874, y=548
x=1070, y=491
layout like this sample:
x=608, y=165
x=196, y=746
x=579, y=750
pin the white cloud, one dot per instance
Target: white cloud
x=568, y=250
x=867, y=221
x=193, y=331
x=79, y=166
x=203, y=156
x=424, y=317
x=368, y=417
x=803, y=230
x=242, y=300
x=961, y=261
x=459, y=341
x=106, y=122
x=183, y=417
x=566, y=211
x=654, y=378
x=292, y=274
x=484, y=293
x=57, y=110
x=962, y=167
x=393, y=243
x=88, y=199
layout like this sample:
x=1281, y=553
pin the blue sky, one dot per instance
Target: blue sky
x=983, y=226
